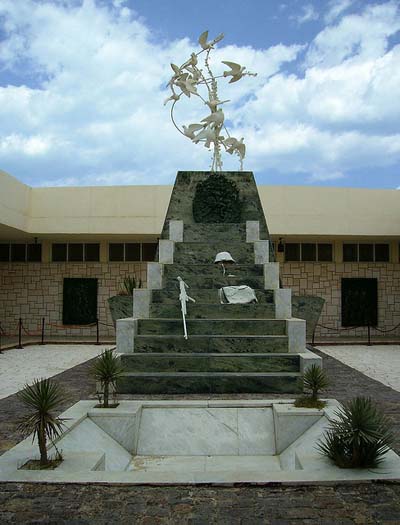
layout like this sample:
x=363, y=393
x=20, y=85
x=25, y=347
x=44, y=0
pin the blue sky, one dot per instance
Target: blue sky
x=82, y=85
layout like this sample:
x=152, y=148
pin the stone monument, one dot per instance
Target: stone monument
x=209, y=346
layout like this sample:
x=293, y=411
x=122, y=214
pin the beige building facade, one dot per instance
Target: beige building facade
x=322, y=236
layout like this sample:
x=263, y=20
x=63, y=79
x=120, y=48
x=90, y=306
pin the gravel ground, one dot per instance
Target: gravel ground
x=44, y=361
x=324, y=504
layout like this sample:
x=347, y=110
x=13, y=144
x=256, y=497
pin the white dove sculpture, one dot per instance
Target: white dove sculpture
x=209, y=45
x=217, y=118
x=208, y=135
x=189, y=131
x=236, y=71
x=235, y=146
x=212, y=104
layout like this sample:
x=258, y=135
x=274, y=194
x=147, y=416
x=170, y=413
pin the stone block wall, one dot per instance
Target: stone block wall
x=35, y=290
x=324, y=280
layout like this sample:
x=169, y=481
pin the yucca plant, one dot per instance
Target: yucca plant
x=359, y=437
x=129, y=283
x=314, y=380
x=107, y=369
x=42, y=397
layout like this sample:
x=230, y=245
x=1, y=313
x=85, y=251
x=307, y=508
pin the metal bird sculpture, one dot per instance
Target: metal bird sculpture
x=190, y=80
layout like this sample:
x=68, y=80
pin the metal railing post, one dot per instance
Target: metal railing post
x=20, y=333
x=43, y=321
x=369, y=335
x=97, y=332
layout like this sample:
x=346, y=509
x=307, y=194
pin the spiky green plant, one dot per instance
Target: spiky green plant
x=107, y=369
x=315, y=380
x=359, y=436
x=129, y=283
x=42, y=397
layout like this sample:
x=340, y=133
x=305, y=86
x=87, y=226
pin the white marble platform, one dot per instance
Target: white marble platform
x=206, y=431
x=98, y=452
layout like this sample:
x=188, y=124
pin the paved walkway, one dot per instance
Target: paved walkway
x=21, y=366
x=343, y=504
x=380, y=362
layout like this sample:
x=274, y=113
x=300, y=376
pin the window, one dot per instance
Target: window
x=92, y=252
x=325, y=252
x=366, y=252
x=34, y=253
x=4, y=252
x=132, y=251
x=59, y=252
x=309, y=252
x=382, y=253
x=149, y=250
x=116, y=252
x=18, y=252
x=76, y=252
x=292, y=251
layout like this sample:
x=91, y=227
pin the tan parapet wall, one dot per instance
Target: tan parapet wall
x=35, y=290
x=324, y=280
x=140, y=210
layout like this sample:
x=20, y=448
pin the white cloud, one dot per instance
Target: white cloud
x=336, y=8
x=98, y=118
x=363, y=36
x=308, y=14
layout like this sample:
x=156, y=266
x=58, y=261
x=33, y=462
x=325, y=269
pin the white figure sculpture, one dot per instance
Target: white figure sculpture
x=184, y=299
x=189, y=80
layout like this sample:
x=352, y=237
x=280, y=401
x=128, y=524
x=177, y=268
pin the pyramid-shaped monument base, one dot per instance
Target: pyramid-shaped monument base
x=231, y=348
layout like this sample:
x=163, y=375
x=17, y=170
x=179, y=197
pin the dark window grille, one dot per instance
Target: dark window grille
x=18, y=252
x=75, y=252
x=292, y=251
x=59, y=252
x=34, y=253
x=149, y=250
x=382, y=253
x=92, y=252
x=116, y=252
x=308, y=252
x=325, y=252
x=132, y=251
x=350, y=252
x=4, y=252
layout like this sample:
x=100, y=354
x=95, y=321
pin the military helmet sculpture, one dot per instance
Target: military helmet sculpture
x=190, y=80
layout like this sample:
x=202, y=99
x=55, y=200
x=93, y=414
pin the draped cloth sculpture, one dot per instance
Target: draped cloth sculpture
x=189, y=80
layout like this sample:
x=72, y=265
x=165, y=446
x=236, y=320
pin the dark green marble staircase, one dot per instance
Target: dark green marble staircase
x=231, y=348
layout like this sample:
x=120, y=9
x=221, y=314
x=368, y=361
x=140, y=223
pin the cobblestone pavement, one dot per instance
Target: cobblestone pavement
x=324, y=504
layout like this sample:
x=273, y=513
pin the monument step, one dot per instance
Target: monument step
x=211, y=344
x=208, y=382
x=187, y=271
x=203, y=295
x=214, y=311
x=213, y=326
x=165, y=362
x=205, y=252
x=203, y=281
x=201, y=232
